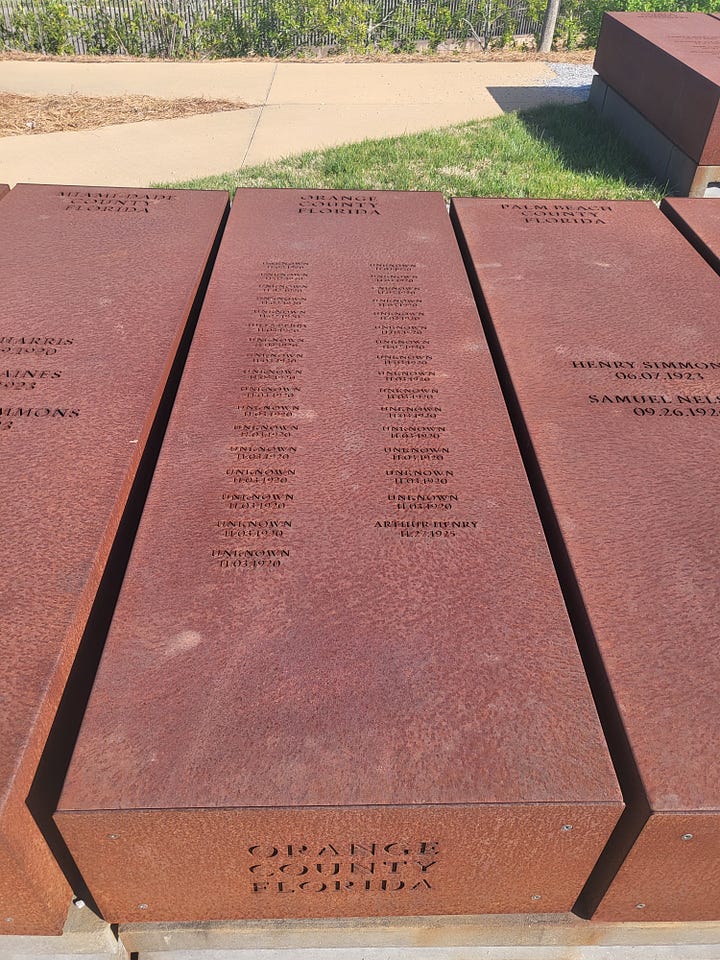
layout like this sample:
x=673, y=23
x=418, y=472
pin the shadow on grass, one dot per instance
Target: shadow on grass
x=587, y=144
x=553, y=150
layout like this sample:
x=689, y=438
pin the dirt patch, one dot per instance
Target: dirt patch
x=502, y=55
x=20, y=114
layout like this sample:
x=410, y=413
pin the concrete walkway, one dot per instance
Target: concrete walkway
x=294, y=107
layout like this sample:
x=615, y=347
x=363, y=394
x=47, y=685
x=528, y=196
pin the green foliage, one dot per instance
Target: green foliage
x=220, y=35
x=235, y=28
x=138, y=29
x=41, y=26
x=493, y=23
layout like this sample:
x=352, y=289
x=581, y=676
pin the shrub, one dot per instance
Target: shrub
x=41, y=26
x=233, y=28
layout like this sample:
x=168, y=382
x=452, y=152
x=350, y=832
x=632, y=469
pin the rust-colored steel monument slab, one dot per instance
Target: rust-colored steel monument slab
x=667, y=65
x=604, y=324
x=699, y=222
x=340, y=680
x=98, y=286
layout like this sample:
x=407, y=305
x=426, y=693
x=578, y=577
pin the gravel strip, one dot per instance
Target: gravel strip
x=576, y=75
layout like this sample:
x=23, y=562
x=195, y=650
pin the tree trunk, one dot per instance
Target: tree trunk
x=548, y=27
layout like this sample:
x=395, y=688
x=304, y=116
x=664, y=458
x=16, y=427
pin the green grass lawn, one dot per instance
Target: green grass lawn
x=552, y=151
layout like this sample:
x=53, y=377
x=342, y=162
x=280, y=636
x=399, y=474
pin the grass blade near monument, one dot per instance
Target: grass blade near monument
x=552, y=151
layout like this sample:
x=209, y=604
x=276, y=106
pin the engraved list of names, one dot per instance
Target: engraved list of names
x=324, y=594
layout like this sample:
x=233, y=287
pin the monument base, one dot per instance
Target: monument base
x=534, y=937
x=85, y=937
x=668, y=162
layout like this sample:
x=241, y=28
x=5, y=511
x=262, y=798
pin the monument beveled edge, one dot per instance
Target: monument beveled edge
x=604, y=327
x=367, y=699
x=667, y=66
x=98, y=285
x=4, y=190
x=699, y=222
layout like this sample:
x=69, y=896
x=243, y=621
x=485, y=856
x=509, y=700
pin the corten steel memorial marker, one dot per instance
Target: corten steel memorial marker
x=366, y=698
x=98, y=286
x=603, y=321
x=659, y=82
x=699, y=222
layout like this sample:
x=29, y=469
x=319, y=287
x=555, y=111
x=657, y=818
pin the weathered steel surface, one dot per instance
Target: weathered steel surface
x=672, y=872
x=340, y=680
x=97, y=289
x=608, y=345
x=667, y=65
x=699, y=222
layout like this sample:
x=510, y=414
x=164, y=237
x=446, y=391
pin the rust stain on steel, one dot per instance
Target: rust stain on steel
x=668, y=67
x=605, y=328
x=699, y=222
x=360, y=691
x=98, y=284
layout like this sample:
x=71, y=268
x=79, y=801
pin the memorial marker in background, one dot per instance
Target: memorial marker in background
x=699, y=222
x=604, y=326
x=667, y=66
x=659, y=83
x=340, y=680
x=98, y=287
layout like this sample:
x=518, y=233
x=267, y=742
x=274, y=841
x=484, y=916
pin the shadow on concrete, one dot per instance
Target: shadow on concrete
x=527, y=98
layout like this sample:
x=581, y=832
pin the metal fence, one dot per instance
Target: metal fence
x=170, y=27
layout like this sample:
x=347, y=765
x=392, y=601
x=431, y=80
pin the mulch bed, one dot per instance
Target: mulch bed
x=21, y=114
